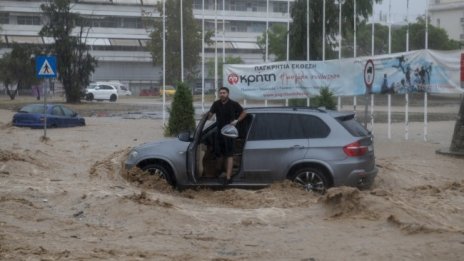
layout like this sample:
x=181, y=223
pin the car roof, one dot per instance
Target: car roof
x=298, y=109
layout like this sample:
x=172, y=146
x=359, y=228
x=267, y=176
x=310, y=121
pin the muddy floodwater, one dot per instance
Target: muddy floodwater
x=68, y=198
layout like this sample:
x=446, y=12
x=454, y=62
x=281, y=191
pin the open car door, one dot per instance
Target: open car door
x=192, y=149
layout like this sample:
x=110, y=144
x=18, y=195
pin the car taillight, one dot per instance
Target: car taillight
x=355, y=149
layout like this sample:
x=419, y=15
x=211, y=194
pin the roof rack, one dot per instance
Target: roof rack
x=294, y=108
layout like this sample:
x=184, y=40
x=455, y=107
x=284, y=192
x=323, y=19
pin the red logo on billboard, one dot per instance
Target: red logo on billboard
x=232, y=78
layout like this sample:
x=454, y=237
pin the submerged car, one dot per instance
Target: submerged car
x=315, y=148
x=34, y=115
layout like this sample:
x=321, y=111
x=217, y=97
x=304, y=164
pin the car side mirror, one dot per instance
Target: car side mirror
x=184, y=136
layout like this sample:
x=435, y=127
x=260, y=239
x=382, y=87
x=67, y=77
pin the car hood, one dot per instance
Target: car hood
x=164, y=144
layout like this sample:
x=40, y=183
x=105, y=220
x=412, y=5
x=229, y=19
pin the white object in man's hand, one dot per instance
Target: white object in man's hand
x=234, y=122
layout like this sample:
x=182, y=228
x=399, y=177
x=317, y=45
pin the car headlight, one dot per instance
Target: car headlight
x=133, y=155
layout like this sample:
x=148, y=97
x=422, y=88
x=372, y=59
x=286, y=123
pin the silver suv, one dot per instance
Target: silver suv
x=315, y=148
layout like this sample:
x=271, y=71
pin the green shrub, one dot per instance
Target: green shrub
x=181, y=112
x=324, y=99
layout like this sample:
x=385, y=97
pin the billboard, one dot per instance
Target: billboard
x=416, y=71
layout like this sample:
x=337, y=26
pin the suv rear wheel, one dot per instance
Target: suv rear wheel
x=113, y=98
x=311, y=179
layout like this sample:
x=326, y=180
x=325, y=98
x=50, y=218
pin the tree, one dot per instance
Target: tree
x=192, y=40
x=457, y=143
x=181, y=113
x=74, y=62
x=297, y=32
x=18, y=68
x=228, y=60
x=438, y=37
x=277, y=38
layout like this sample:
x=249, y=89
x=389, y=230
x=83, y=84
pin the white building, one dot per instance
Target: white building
x=118, y=35
x=449, y=15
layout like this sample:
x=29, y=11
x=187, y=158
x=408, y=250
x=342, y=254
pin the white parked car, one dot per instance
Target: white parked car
x=123, y=90
x=101, y=91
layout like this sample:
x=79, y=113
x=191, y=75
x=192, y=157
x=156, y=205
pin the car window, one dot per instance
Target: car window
x=291, y=126
x=124, y=88
x=313, y=126
x=57, y=111
x=353, y=127
x=33, y=108
x=67, y=111
x=106, y=87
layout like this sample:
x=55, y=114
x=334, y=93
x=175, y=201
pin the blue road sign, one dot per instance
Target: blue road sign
x=45, y=66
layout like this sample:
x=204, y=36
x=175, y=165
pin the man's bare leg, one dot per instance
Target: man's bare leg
x=229, y=165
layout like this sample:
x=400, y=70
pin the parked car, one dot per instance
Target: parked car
x=101, y=91
x=122, y=89
x=34, y=115
x=170, y=91
x=315, y=148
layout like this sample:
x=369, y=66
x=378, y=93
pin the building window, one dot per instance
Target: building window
x=279, y=7
x=29, y=20
x=438, y=22
x=4, y=18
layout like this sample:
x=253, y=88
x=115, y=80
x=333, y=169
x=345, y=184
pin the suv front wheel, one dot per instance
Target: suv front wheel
x=89, y=97
x=158, y=170
x=311, y=179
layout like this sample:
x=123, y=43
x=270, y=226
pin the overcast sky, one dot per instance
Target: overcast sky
x=399, y=10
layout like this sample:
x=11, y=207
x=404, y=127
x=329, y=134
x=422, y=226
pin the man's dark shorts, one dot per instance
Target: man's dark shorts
x=226, y=145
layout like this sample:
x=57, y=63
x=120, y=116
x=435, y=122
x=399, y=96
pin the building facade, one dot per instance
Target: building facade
x=118, y=35
x=449, y=15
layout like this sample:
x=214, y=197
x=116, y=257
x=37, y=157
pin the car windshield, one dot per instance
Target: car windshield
x=33, y=108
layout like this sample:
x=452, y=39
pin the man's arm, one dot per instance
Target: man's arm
x=242, y=116
x=210, y=114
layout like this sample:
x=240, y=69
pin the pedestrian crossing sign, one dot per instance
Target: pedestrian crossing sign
x=45, y=66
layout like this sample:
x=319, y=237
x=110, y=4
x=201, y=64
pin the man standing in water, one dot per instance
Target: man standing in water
x=227, y=112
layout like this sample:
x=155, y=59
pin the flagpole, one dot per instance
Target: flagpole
x=288, y=38
x=371, y=97
x=223, y=34
x=323, y=30
x=389, y=52
x=203, y=56
x=354, y=29
x=340, y=2
x=406, y=95
x=307, y=32
x=181, y=42
x=164, y=62
x=267, y=38
x=354, y=46
x=426, y=48
x=215, y=52
x=308, y=47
